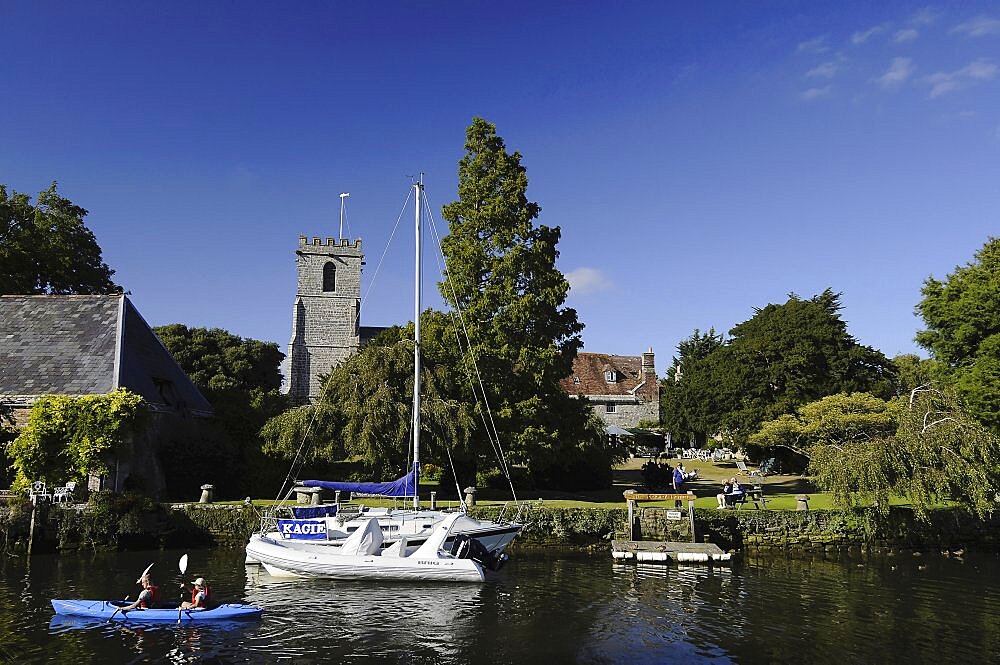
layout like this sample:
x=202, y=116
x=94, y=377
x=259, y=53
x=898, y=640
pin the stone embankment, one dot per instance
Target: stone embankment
x=123, y=522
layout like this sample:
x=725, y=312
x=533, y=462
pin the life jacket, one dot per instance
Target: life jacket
x=194, y=596
x=154, y=597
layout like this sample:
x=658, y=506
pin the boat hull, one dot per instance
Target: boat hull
x=105, y=609
x=282, y=561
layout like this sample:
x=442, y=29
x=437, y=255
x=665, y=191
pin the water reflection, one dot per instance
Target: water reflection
x=540, y=609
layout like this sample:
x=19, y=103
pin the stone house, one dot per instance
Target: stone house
x=86, y=345
x=622, y=390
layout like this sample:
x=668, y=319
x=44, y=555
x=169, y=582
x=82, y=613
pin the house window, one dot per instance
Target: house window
x=609, y=407
x=330, y=277
x=609, y=376
x=576, y=380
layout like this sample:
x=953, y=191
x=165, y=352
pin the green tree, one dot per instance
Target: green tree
x=836, y=420
x=67, y=437
x=241, y=378
x=937, y=452
x=47, y=248
x=962, y=315
x=365, y=411
x=912, y=371
x=689, y=395
x=791, y=354
x=502, y=277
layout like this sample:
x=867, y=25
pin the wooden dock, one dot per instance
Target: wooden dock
x=651, y=550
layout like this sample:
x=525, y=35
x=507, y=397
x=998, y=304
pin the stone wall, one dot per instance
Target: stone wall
x=124, y=522
x=627, y=414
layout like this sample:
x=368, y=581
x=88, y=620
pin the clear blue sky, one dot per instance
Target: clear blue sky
x=702, y=159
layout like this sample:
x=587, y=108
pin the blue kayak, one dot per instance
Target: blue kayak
x=104, y=609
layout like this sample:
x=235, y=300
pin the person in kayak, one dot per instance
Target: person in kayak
x=148, y=598
x=199, y=595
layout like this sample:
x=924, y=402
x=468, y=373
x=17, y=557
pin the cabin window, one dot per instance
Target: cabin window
x=609, y=407
x=330, y=276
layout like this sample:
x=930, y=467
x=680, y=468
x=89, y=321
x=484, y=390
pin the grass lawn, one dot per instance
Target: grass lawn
x=779, y=490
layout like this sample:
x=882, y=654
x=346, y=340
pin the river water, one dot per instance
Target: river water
x=543, y=609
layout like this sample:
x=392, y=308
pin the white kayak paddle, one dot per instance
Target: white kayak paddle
x=183, y=566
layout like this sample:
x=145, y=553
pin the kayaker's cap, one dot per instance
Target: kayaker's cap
x=199, y=582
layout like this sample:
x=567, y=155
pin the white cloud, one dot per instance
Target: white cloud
x=816, y=93
x=906, y=35
x=979, y=27
x=925, y=16
x=826, y=70
x=586, y=281
x=944, y=82
x=815, y=45
x=865, y=35
x=899, y=71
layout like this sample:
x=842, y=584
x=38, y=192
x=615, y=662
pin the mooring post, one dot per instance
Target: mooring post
x=694, y=539
x=632, y=530
x=31, y=529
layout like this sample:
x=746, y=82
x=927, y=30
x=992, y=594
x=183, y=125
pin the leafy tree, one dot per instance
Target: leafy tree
x=240, y=377
x=689, y=395
x=503, y=279
x=47, y=248
x=217, y=360
x=68, y=437
x=836, y=420
x=365, y=411
x=938, y=452
x=912, y=371
x=792, y=354
x=962, y=315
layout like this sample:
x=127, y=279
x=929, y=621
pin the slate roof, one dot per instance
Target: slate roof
x=588, y=375
x=83, y=345
x=58, y=344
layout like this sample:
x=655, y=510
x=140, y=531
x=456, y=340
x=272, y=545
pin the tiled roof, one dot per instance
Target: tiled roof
x=58, y=344
x=588, y=375
x=86, y=345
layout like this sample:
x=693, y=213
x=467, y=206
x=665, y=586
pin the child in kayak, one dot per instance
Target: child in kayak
x=199, y=595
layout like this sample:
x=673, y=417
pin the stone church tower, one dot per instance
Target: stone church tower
x=327, y=312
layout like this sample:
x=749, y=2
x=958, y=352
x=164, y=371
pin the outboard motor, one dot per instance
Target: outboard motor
x=465, y=547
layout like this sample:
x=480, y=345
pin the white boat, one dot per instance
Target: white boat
x=362, y=557
x=414, y=525
x=410, y=544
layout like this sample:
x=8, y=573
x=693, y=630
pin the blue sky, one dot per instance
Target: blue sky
x=702, y=159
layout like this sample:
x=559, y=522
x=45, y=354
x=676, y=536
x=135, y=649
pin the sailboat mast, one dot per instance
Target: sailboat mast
x=419, y=188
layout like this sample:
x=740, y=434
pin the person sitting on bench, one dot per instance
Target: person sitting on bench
x=731, y=494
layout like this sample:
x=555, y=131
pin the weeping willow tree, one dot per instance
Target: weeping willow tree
x=365, y=410
x=938, y=453
x=923, y=447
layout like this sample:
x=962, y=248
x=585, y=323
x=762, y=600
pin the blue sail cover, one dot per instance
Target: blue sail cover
x=405, y=486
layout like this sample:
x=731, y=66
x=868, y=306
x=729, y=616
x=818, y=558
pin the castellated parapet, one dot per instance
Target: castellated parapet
x=327, y=311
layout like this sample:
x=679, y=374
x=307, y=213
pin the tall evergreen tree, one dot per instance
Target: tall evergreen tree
x=504, y=280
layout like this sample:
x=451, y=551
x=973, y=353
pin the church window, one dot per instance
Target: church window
x=330, y=276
